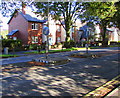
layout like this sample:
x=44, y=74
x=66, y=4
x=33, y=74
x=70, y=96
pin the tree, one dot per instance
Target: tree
x=8, y=8
x=116, y=18
x=67, y=12
x=102, y=11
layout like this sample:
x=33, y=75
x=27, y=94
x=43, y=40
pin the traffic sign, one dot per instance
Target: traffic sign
x=46, y=31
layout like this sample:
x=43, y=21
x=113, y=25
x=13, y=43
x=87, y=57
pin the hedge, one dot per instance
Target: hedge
x=11, y=43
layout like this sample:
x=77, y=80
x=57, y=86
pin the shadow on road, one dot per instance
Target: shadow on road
x=72, y=79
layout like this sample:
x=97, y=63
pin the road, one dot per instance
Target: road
x=76, y=78
x=26, y=58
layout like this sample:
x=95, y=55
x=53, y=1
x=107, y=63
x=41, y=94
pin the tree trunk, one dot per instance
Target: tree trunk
x=67, y=29
x=67, y=39
x=104, y=35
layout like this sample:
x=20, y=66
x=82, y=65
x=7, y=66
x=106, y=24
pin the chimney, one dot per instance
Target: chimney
x=23, y=7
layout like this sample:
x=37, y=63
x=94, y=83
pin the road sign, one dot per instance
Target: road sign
x=46, y=31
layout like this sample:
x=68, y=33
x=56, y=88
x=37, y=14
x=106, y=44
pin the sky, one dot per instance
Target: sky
x=4, y=24
x=5, y=20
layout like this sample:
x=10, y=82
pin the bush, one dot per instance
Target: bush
x=113, y=42
x=59, y=44
x=26, y=47
x=11, y=43
x=118, y=42
x=43, y=45
x=33, y=47
x=53, y=46
x=69, y=44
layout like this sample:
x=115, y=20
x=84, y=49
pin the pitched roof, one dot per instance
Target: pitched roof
x=12, y=32
x=84, y=28
x=29, y=18
x=112, y=29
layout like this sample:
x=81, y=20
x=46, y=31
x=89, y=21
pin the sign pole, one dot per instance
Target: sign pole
x=46, y=33
x=47, y=42
x=47, y=47
x=87, y=41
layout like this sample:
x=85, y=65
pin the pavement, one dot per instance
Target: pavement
x=109, y=89
x=75, y=78
x=115, y=93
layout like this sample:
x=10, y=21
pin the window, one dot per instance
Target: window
x=72, y=29
x=14, y=38
x=58, y=28
x=34, y=26
x=34, y=39
x=58, y=40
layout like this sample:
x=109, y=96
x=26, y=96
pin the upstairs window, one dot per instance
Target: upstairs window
x=34, y=26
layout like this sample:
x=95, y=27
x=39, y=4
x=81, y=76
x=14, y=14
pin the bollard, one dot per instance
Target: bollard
x=6, y=50
x=39, y=48
x=86, y=45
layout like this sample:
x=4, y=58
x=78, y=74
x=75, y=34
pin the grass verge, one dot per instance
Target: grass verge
x=7, y=55
x=51, y=51
x=114, y=46
x=54, y=51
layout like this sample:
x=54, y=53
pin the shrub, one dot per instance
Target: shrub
x=113, y=42
x=59, y=44
x=43, y=45
x=69, y=44
x=53, y=46
x=11, y=43
x=118, y=42
x=33, y=47
x=26, y=47
x=72, y=43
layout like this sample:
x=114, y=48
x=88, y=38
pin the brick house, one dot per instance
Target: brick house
x=29, y=29
x=58, y=33
x=26, y=28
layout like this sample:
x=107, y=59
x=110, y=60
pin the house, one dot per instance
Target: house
x=113, y=34
x=25, y=27
x=58, y=33
x=29, y=29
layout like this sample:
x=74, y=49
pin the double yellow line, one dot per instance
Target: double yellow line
x=104, y=89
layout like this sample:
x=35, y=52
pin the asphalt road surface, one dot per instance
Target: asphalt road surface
x=76, y=78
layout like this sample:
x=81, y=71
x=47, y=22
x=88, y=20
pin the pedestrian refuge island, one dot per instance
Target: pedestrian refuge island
x=51, y=61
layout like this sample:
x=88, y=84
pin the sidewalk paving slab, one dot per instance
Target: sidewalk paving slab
x=108, y=89
x=114, y=93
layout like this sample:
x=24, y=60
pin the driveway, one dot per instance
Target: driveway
x=75, y=78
